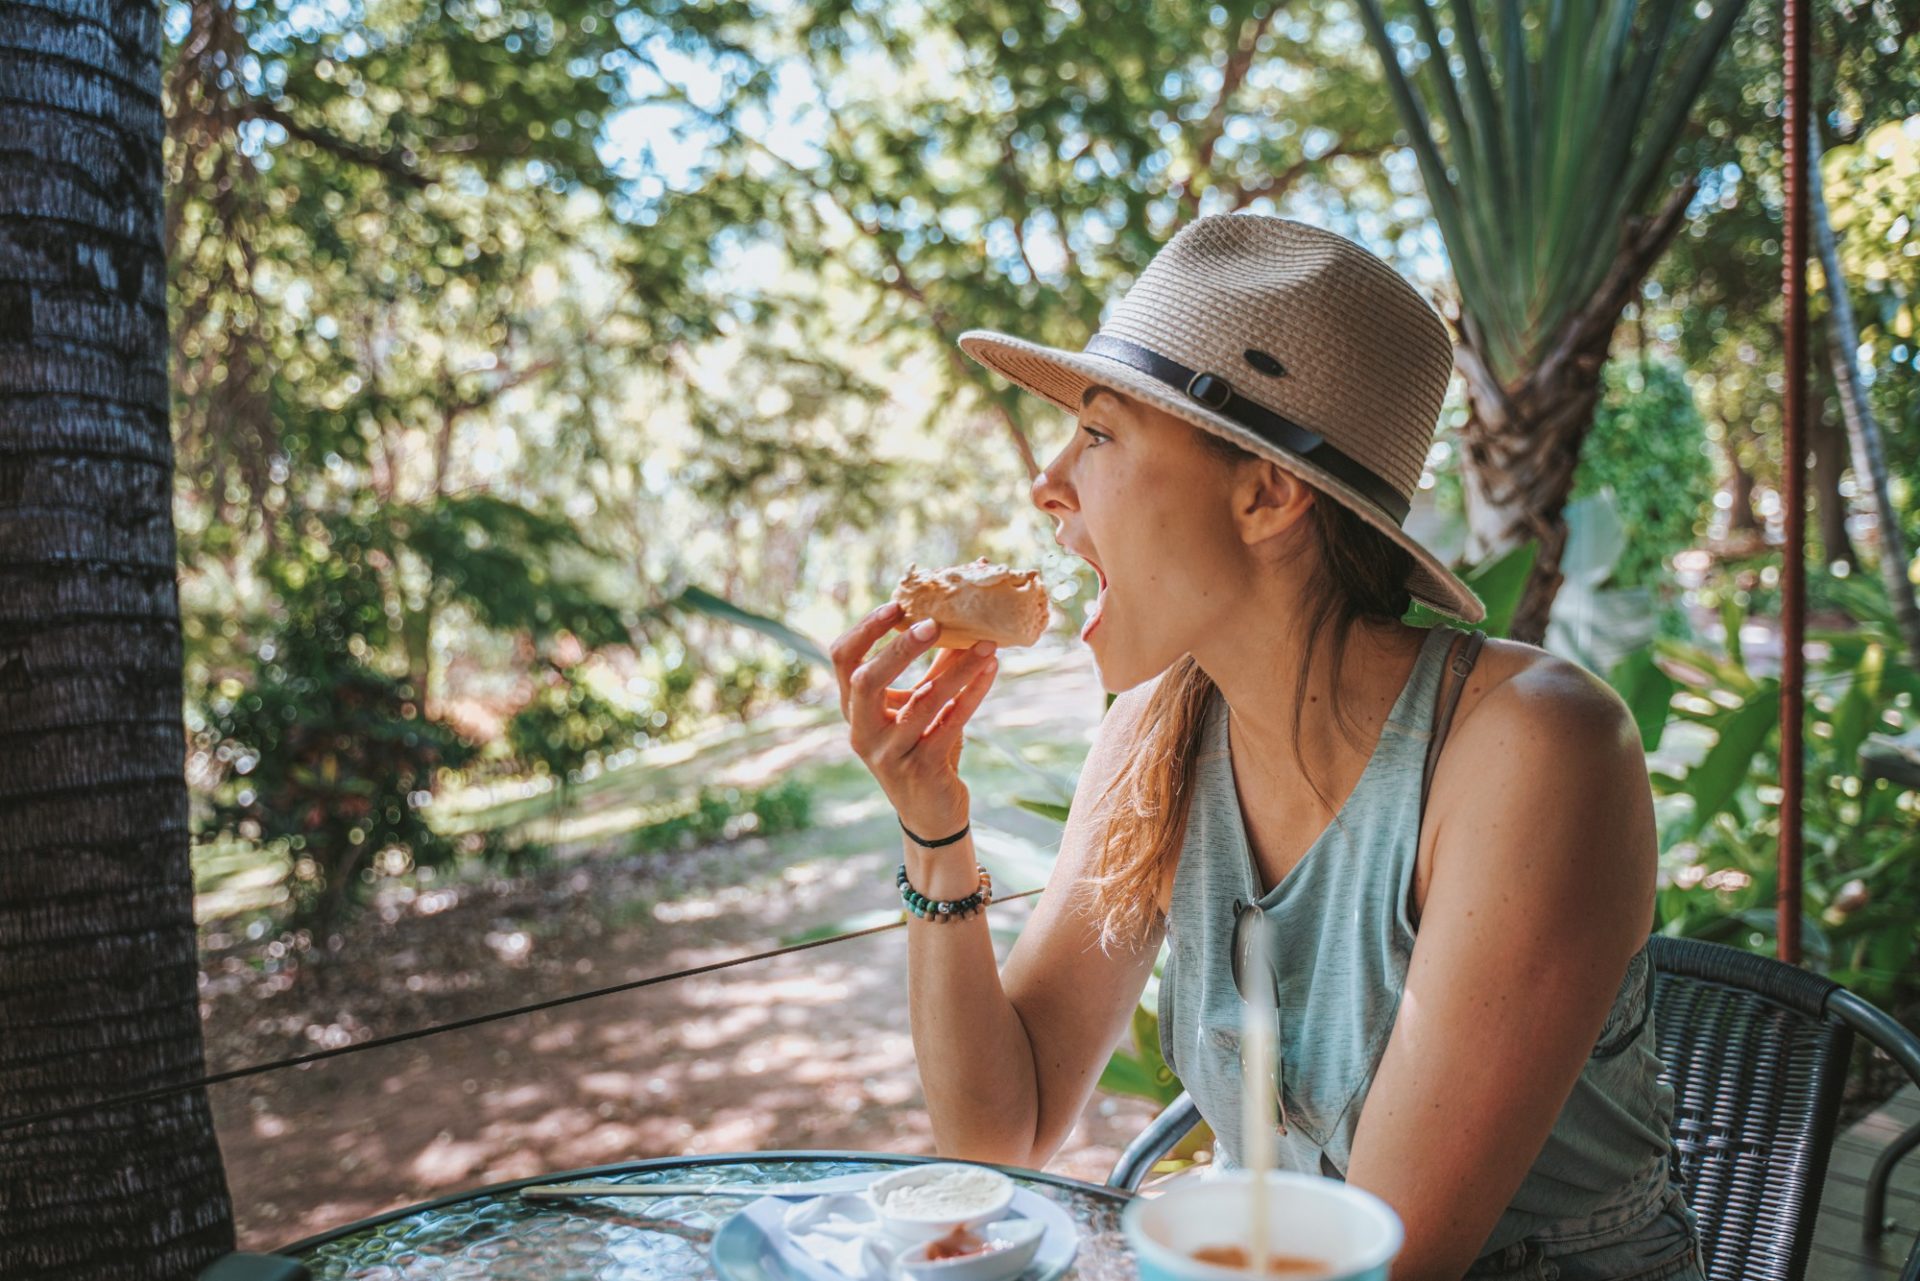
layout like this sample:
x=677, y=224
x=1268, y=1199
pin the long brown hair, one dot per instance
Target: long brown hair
x=1361, y=574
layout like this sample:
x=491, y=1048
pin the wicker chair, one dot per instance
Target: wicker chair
x=1756, y=1052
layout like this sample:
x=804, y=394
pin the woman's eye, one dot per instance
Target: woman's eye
x=1097, y=436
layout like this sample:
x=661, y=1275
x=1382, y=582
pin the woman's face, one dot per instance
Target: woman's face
x=1137, y=495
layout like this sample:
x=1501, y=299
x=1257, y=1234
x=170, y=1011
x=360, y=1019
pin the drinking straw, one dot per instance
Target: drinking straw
x=1258, y=1035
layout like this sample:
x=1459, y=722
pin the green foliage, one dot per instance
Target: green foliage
x=1141, y=1071
x=1648, y=693
x=1720, y=817
x=1649, y=447
x=1873, y=183
x=746, y=686
x=1714, y=300
x=1055, y=810
x=321, y=754
x=787, y=806
x=723, y=813
x=569, y=725
x=1498, y=583
x=513, y=568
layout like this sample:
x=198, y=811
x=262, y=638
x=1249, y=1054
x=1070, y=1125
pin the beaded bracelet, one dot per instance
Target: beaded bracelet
x=944, y=910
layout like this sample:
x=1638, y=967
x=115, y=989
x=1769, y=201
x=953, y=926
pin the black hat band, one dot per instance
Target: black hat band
x=1217, y=394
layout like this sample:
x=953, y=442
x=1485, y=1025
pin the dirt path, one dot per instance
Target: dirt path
x=807, y=1050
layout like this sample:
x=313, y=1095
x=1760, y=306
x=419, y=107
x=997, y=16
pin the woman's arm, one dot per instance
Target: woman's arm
x=1075, y=1000
x=1006, y=1067
x=1541, y=890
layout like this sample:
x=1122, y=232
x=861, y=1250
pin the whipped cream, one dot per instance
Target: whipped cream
x=950, y=1194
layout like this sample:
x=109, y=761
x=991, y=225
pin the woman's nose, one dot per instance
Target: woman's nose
x=1050, y=490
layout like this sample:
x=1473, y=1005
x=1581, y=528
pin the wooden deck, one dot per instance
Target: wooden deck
x=1838, y=1252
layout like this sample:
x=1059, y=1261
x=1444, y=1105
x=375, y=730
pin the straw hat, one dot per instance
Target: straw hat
x=1292, y=342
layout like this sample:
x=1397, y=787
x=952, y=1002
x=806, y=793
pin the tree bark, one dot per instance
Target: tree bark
x=1869, y=458
x=1829, y=461
x=1522, y=440
x=1741, y=520
x=98, y=969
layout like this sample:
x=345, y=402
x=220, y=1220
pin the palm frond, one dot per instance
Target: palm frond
x=1554, y=135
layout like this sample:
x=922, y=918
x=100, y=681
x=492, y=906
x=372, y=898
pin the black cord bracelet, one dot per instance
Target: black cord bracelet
x=934, y=845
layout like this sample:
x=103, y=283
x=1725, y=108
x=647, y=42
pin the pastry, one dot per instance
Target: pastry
x=975, y=602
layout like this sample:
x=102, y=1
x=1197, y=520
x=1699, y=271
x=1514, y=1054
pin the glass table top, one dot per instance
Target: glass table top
x=493, y=1234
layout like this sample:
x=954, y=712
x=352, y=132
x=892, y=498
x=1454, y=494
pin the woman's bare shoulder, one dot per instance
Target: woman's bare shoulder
x=1549, y=763
x=1530, y=722
x=1512, y=679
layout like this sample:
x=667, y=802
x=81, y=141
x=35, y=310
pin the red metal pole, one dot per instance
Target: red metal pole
x=1793, y=585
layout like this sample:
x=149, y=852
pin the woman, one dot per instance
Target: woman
x=1458, y=941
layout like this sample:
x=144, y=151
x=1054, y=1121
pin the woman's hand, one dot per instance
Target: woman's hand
x=910, y=738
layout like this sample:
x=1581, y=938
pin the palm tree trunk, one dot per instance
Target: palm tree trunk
x=1869, y=458
x=98, y=971
x=1523, y=439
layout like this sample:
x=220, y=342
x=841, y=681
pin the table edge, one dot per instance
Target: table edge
x=319, y=1239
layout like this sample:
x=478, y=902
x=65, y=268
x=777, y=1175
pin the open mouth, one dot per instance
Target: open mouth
x=1096, y=610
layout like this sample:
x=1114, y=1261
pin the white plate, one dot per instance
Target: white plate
x=752, y=1244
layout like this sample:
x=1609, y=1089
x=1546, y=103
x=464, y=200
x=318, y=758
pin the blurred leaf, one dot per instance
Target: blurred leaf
x=1728, y=762
x=1045, y=809
x=702, y=601
x=1498, y=583
x=1059, y=786
x=1016, y=863
x=1858, y=708
x=1647, y=692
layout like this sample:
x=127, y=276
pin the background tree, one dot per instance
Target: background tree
x=1013, y=168
x=98, y=987
x=1715, y=299
x=422, y=328
x=1544, y=149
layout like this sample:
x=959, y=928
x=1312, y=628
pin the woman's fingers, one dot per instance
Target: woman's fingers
x=943, y=738
x=866, y=706
x=930, y=695
x=853, y=644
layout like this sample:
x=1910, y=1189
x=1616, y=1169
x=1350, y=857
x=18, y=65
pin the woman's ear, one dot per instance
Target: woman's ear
x=1268, y=500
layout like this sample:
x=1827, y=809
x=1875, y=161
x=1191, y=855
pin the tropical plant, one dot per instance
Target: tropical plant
x=1542, y=148
x=320, y=747
x=1719, y=829
x=1649, y=448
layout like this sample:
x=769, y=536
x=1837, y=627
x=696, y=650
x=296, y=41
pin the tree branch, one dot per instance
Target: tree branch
x=1232, y=76
x=395, y=164
x=1276, y=186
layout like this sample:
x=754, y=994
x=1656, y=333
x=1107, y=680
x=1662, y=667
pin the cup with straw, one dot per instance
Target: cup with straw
x=1300, y=1225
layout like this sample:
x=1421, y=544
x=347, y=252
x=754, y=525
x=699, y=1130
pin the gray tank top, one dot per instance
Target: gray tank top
x=1340, y=939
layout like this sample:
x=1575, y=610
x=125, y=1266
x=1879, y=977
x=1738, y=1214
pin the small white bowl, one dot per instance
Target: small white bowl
x=1011, y=1245
x=917, y=1228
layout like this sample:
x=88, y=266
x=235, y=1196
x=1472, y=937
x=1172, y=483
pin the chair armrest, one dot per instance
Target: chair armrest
x=1154, y=1142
